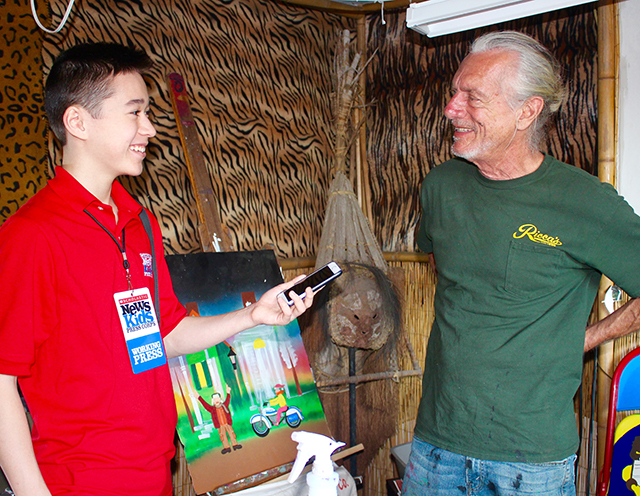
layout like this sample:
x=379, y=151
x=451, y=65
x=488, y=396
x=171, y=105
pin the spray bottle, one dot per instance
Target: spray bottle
x=322, y=480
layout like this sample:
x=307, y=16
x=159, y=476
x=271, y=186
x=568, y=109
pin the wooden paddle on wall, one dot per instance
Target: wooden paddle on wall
x=213, y=235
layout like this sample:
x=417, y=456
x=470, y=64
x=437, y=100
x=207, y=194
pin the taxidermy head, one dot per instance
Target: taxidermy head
x=360, y=309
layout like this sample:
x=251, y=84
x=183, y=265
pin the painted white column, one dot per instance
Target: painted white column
x=628, y=183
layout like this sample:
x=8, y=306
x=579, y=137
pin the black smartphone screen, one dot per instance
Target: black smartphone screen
x=315, y=281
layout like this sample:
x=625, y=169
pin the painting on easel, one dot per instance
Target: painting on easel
x=239, y=401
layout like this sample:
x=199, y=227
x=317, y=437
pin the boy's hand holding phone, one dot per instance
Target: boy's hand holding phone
x=315, y=281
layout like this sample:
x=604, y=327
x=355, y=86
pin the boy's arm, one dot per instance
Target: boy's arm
x=195, y=334
x=17, y=458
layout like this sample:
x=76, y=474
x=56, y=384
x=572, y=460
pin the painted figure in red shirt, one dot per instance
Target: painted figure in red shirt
x=222, y=420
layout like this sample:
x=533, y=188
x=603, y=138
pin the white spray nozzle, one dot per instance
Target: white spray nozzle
x=312, y=444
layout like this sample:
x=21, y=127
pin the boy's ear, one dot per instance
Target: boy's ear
x=74, y=120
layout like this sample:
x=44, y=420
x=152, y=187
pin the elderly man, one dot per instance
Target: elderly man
x=520, y=241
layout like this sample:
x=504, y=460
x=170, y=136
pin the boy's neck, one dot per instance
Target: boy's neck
x=98, y=186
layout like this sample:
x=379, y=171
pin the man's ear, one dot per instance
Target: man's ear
x=74, y=120
x=529, y=112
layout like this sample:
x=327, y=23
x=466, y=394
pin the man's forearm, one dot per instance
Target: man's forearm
x=17, y=458
x=620, y=323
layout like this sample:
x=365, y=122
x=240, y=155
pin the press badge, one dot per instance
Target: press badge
x=141, y=331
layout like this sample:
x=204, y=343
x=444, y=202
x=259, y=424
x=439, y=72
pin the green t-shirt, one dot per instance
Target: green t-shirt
x=519, y=264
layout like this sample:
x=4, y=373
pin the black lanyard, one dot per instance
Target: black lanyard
x=125, y=262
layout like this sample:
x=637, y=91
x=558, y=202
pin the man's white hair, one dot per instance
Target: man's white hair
x=538, y=74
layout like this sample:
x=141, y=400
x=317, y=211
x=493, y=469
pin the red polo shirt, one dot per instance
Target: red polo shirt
x=99, y=429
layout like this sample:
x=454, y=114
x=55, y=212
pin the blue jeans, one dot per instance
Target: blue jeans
x=434, y=471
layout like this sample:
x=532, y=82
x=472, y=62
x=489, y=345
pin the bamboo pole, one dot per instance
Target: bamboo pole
x=356, y=379
x=295, y=263
x=364, y=188
x=607, y=134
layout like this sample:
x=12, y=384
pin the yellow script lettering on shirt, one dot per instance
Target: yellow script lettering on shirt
x=531, y=232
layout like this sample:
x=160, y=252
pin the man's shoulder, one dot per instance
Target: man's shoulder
x=572, y=177
x=565, y=168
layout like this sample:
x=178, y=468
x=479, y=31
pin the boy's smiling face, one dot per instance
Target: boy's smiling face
x=118, y=137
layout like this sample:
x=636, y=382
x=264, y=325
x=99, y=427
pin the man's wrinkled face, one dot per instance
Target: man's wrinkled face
x=484, y=122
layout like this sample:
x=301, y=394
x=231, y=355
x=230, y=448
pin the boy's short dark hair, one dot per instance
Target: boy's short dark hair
x=82, y=76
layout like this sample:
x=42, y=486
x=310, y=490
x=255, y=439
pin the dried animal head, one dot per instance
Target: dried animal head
x=360, y=309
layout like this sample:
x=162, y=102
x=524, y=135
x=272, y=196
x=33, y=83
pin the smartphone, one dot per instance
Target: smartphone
x=315, y=281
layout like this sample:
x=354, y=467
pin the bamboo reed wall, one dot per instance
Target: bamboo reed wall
x=418, y=317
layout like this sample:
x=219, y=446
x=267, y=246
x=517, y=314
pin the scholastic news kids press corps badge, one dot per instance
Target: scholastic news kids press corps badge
x=140, y=328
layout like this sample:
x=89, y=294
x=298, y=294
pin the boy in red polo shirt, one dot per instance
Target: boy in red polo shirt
x=78, y=325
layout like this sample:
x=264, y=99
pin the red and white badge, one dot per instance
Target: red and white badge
x=141, y=331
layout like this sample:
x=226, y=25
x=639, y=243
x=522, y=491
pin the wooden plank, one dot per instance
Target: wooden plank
x=350, y=8
x=213, y=235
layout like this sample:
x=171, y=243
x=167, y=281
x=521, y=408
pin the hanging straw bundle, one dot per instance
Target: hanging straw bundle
x=347, y=236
